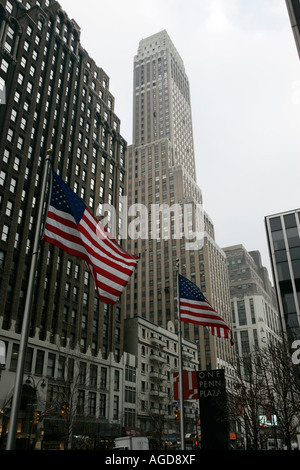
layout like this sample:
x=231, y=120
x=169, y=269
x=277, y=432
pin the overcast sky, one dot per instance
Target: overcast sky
x=244, y=73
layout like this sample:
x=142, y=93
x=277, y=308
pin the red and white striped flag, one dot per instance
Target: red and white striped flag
x=72, y=227
x=194, y=308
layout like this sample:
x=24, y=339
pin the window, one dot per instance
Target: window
x=14, y=114
x=4, y=65
x=2, y=177
x=29, y=87
x=6, y=156
x=9, y=208
x=81, y=401
x=9, y=6
x=39, y=362
x=20, y=143
x=117, y=380
x=2, y=258
x=252, y=311
x=51, y=365
x=102, y=405
x=20, y=78
x=5, y=232
x=69, y=267
x=93, y=375
x=116, y=407
x=82, y=372
x=92, y=403
x=241, y=312
x=245, y=342
x=10, y=135
x=67, y=290
x=118, y=334
x=32, y=70
x=73, y=317
x=23, y=62
x=130, y=374
x=129, y=417
x=84, y=322
x=23, y=123
x=103, y=378
x=130, y=394
x=61, y=367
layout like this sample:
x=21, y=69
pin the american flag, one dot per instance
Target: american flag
x=71, y=226
x=194, y=308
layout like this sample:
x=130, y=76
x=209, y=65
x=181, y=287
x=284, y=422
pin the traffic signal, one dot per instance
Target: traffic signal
x=64, y=410
x=177, y=414
x=36, y=418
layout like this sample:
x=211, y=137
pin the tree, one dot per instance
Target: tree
x=157, y=414
x=244, y=403
x=282, y=388
x=268, y=383
x=62, y=400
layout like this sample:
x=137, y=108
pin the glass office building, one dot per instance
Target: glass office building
x=283, y=232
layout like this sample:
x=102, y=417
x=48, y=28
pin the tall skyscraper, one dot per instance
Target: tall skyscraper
x=57, y=98
x=171, y=226
x=283, y=234
x=293, y=7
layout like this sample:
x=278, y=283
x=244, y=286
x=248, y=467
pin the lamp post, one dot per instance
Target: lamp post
x=31, y=382
x=12, y=430
x=195, y=410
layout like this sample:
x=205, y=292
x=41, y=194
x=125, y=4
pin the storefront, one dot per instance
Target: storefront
x=86, y=435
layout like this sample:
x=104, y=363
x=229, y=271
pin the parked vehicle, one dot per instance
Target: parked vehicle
x=131, y=443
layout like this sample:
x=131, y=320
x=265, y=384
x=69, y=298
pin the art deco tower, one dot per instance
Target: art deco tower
x=162, y=178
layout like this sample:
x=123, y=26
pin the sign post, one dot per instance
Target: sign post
x=213, y=409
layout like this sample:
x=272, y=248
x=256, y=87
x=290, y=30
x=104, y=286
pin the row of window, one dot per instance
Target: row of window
x=95, y=376
x=9, y=6
x=242, y=314
x=52, y=365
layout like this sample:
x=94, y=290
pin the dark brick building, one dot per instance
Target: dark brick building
x=55, y=97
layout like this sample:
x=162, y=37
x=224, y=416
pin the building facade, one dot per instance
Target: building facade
x=283, y=235
x=57, y=98
x=156, y=352
x=172, y=228
x=253, y=301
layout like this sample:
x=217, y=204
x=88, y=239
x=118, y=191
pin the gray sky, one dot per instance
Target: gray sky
x=244, y=72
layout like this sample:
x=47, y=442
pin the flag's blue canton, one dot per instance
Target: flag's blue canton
x=189, y=290
x=64, y=199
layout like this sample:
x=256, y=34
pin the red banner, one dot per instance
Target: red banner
x=190, y=385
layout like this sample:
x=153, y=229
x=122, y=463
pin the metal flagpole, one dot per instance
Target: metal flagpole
x=13, y=422
x=182, y=435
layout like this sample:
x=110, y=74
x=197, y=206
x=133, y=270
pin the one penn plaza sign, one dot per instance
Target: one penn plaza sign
x=211, y=383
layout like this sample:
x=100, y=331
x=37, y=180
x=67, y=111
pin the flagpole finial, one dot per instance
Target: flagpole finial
x=49, y=155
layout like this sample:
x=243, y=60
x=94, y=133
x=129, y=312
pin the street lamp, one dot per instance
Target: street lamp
x=31, y=379
x=34, y=418
x=195, y=410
